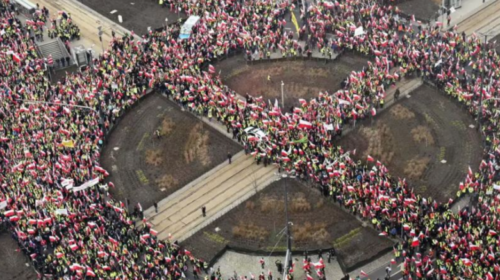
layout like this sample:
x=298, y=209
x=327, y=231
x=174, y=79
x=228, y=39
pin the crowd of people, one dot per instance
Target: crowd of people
x=52, y=193
x=61, y=26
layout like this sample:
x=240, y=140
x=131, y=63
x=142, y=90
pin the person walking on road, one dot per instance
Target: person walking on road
x=388, y=271
x=279, y=266
x=229, y=157
x=156, y=206
x=204, y=211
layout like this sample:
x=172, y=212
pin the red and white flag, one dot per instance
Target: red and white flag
x=90, y=272
x=16, y=58
x=467, y=262
x=211, y=69
x=305, y=124
x=415, y=242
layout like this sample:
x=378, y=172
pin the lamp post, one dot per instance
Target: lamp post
x=288, y=257
x=282, y=95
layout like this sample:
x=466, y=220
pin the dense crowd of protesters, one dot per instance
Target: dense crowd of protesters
x=57, y=207
x=61, y=26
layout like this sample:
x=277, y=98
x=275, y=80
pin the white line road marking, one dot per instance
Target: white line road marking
x=113, y=11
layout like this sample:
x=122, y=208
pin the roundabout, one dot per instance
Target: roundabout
x=55, y=198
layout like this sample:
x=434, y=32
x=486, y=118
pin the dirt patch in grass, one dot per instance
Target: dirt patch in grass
x=154, y=157
x=422, y=134
x=380, y=142
x=400, y=112
x=416, y=167
x=318, y=223
x=166, y=181
x=196, y=147
x=167, y=125
x=417, y=139
x=250, y=232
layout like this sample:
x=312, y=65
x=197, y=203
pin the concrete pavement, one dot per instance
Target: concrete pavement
x=468, y=9
x=87, y=20
x=485, y=21
x=219, y=190
x=246, y=264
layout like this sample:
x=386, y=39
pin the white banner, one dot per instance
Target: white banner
x=87, y=184
x=62, y=212
x=342, y=101
x=359, y=31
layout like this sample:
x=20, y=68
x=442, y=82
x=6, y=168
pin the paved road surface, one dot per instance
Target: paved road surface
x=219, y=190
x=87, y=20
x=485, y=21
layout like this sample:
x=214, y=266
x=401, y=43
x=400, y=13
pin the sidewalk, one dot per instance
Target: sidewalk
x=87, y=20
x=219, y=190
x=468, y=9
x=244, y=264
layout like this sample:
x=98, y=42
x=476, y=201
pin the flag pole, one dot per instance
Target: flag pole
x=288, y=257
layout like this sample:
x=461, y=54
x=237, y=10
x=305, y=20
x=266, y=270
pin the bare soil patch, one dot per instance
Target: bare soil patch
x=318, y=223
x=425, y=138
x=302, y=78
x=146, y=168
